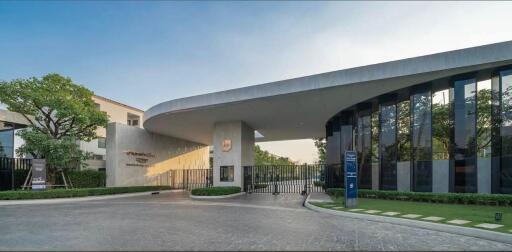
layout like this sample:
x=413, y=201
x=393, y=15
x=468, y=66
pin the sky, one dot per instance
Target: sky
x=144, y=53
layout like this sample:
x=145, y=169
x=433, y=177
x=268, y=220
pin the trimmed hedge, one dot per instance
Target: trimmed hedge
x=449, y=198
x=216, y=191
x=70, y=193
x=319, y=183
x=87, y=178
x=260, y=186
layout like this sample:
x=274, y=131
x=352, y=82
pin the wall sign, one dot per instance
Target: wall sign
x=38, y=174
x=350, y=179
x=141, y=158
x=226, y=145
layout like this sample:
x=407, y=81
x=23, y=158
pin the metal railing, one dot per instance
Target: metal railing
x=186, y=179
x=13, y=172
x=291, y=178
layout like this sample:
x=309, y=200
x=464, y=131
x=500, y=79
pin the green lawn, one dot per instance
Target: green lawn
x=475, y=213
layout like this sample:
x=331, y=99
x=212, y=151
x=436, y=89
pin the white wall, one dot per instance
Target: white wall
x=166, y=153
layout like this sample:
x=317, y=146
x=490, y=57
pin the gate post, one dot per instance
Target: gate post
x=305, y=178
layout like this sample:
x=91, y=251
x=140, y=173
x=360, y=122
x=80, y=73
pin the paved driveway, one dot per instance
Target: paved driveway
x=173, y=222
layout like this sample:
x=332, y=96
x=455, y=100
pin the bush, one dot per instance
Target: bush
x=216, y=191
x=451, y=198
x=87, y=178
x=69, y=193
x=319, y=183
x=260, y=186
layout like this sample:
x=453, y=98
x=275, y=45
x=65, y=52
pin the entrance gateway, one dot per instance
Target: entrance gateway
x=301, y=179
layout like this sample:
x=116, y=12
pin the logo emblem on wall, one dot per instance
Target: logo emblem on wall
x=226, y=145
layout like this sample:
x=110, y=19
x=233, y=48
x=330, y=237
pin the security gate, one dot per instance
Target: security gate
x=186, y=179
x=290, y=178
x=13, y=172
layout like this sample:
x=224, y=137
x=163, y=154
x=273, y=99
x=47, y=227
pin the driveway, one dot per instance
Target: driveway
x=171, y=221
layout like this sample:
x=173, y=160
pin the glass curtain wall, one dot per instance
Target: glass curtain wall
x=387, y=146
x=506, y=131
x=484, y=119
x=364, y=149
x=6, y=139
x=421, y=126
x=404, y=131
x=333, y=158
x=466, y=127
x=346, y=140
x=375, y=142
x=441, y=125
x=333, y=142
x=464, y=139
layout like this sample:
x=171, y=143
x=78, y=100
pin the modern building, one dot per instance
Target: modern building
x=118, y=113
x=11, y=122
x=435, y=123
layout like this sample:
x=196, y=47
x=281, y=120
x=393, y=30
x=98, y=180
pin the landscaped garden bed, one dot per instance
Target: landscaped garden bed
x=216, y=191
x=450, y=198
x=478, y=216
x=80, y=192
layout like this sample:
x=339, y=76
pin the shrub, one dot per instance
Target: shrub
x=82, y=192
x=260, y=186
x=319, y=183
x=87, y=178
x=216, y=191
x=451, y=198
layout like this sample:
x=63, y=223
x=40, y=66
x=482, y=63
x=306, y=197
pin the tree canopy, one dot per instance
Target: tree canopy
x=262, y=157
x=59, y=113
x=321, y=149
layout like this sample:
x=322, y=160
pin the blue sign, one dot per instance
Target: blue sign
x=350, y=178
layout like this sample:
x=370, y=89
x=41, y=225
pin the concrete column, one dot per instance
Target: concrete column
x=484, y=175
x=375, y=176
x=441, y=176
x=233, y=145
x=404, y=176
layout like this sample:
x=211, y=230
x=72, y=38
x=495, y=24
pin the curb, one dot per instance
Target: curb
x=466, y=231
x=78, y=199
x=195, y=197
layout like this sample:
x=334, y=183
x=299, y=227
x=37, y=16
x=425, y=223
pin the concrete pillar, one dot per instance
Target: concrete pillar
x=441, y=176
x=403, y=176
x=233, y=145
x=375, y=176
x=484, y=175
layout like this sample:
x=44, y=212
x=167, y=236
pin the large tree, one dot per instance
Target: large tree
x=262, y=157
x=321, y=148
x=59, y=113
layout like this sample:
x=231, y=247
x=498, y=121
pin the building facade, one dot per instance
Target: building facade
x=452, y=134
x=118, y=113
x=11, y=122
x=434, y=123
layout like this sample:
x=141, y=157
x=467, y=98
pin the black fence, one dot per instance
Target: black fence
x=291, y=178
x=184, y=179
x=13, y=172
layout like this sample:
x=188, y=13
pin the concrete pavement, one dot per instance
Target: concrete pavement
x=172, y=221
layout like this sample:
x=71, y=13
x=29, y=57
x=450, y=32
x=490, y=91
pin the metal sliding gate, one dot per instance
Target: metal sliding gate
x=186, y=179
x=290, y=178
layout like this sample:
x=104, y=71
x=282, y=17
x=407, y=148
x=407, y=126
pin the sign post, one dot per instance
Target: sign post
x=350, y=179
x=38, y=174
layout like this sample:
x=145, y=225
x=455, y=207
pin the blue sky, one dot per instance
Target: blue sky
x=143, y=53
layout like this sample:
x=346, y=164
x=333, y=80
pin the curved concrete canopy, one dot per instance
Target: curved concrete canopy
x=299, y=108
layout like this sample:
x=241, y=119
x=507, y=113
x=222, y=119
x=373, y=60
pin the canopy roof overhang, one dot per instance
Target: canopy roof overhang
x=299, y=108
